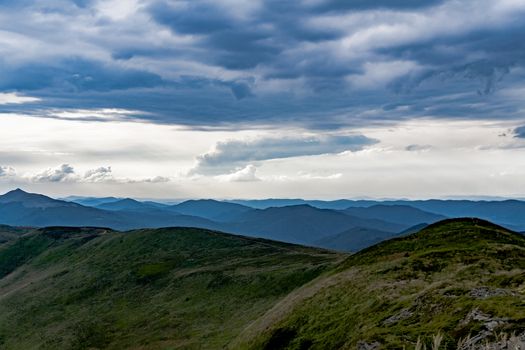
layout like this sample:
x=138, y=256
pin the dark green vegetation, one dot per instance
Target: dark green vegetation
x=8, y=233
x=458, y=277
x=64, y=288
x=82, y=288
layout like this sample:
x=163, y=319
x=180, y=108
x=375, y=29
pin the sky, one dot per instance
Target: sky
x=219, y=99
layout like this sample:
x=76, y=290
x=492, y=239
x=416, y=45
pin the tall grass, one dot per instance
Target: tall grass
x=502, y=341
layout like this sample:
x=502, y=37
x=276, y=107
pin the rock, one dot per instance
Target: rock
x=477, y=316
x=362, y=345
x=485, y=292
x=402, y=315
x=489, y=323
x=504, y=342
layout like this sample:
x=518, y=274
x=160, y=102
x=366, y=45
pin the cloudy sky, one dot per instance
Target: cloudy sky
x=254, y=99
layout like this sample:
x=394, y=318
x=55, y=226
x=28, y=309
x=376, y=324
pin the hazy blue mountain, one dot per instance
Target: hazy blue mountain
x=19, y=208
x=302, y=223
x=354, y=239
x=90, y=201
x=269, y=203
x=351, y=229
x=413, y=229
x=127, y=204
x=156, y=204
x=211, y=209
x=33, y=200
x=509, y=213
x=401, y=214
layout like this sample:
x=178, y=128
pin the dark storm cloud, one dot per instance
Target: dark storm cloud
x=77, y=75
x=318, y=64
x=193, y=17
x=342, y=5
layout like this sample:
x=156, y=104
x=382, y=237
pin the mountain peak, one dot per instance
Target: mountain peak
x=28, y=199
x=17, y=190
x=16, y=194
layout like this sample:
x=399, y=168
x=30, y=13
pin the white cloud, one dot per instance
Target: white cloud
x=153, y=180
x=246, y=174
x=103, y=114
x=14, y=98
x=66, y=173
x=304, y=176
x=63, y=173
x=100, y=174
x=378, y=74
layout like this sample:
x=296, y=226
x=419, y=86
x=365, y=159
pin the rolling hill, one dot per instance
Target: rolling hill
x=461, y=280
x=89, y=288
x=86, y=288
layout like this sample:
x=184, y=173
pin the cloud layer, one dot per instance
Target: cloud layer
x=320, y=64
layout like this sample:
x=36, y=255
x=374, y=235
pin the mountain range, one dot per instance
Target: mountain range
x=341, y=227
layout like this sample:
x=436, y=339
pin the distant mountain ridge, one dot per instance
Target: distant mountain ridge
x=305, y=222
x=126, y=204
x=294, y=224
x=211, y=209
x=33, y=200
x=19, y=208
x=400, y=214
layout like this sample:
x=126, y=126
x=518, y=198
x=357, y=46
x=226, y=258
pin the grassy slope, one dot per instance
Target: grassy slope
x=8, y=233
x=401, y=289
x=148, y=289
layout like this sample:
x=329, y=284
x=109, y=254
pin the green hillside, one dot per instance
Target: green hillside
x=85, y=288
x=64, y=288
x=461, y=279
x=8, y=233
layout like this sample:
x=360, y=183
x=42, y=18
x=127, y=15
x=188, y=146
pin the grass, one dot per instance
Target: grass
x=408, y=289
x=181, y=288
x=147, y=289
